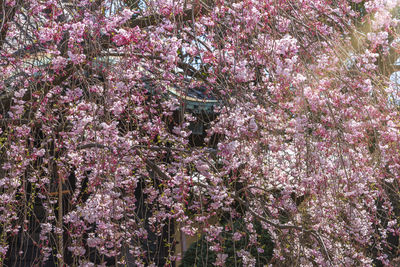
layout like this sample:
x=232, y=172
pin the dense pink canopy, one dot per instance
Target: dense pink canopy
x=305, y=126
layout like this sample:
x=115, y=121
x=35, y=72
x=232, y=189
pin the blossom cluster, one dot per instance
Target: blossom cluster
x=97, y=135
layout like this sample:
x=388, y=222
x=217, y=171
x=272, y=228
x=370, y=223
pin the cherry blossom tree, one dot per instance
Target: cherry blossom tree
x=96, y=132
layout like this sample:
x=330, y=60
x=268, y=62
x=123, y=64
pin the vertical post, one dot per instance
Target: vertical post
x=183, y=241
x=60, y=239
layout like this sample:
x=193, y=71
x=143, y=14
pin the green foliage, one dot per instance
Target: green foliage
x=359, y=8
x=133, y=4
x=200, y=255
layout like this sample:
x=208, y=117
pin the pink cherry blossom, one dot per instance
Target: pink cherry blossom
x=122, y=122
